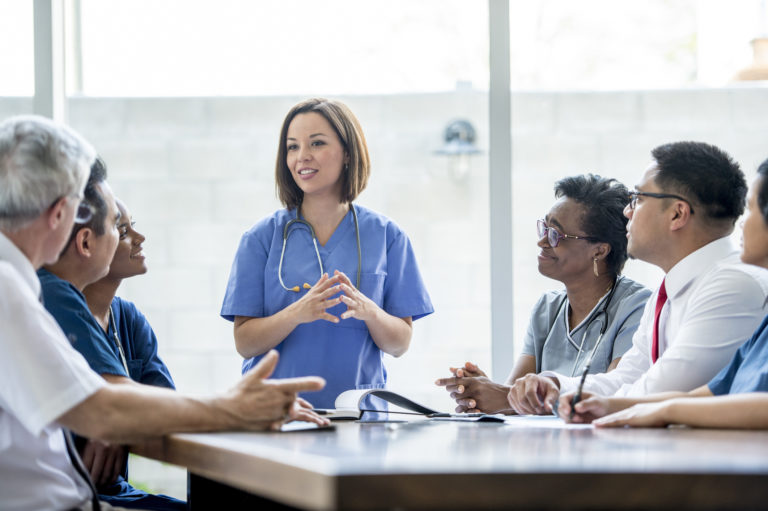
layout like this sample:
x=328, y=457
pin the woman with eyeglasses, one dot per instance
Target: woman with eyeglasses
x=737, y=397
x=328, y=283
x=583, y=245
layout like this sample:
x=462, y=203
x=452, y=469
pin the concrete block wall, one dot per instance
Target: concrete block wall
x=198, y=172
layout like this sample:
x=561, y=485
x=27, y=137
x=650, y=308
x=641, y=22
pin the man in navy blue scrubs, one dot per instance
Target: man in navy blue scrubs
x=86, y=259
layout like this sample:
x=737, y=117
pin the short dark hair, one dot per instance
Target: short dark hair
x=354, y=176
x=604, y=200
x=92, y=196
x=762, y=192
x=705, y=175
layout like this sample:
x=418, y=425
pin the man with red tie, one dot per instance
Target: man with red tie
x=681, y=217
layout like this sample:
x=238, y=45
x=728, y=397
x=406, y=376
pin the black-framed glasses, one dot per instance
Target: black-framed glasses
x=554, y=236
x=634, y=195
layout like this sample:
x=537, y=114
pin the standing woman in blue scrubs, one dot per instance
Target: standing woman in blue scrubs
x=328, y=283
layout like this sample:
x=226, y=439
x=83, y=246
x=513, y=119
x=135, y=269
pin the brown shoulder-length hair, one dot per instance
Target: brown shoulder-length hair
x=354, y=176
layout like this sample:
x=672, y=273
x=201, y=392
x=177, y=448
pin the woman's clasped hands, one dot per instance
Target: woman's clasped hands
x=328, y=292
x=317, y=300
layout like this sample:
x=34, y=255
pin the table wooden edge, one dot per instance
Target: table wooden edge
x=310, y=488
x=272, y=479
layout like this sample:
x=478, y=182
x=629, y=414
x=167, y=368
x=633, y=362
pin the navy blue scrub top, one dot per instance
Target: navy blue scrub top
x=67, y=304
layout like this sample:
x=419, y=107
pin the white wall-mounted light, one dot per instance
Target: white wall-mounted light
x=459, y=146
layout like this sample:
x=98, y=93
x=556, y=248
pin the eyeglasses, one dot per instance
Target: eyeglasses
x=84, y=212
x=554, y=236
x=634, y=195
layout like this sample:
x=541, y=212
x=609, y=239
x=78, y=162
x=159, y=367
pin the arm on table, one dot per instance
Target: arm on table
x=737, y=411
x=127, y=413
x=592, y=407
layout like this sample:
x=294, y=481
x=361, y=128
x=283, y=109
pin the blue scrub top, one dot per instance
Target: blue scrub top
x=343, y=353
x=748, y=369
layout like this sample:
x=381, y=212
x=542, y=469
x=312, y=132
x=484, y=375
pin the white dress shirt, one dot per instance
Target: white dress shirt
x=715, y=302
x=41, y=378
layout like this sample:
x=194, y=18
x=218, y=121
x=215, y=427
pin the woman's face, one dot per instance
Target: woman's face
x=571, y=258
x=315, y=155
x=128, y=260
x=754, y=244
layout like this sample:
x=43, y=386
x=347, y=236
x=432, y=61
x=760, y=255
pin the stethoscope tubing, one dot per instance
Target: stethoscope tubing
x=603, y=327
x=301, y=221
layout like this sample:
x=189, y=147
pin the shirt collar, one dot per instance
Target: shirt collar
x=10, y=252
x=697, y=263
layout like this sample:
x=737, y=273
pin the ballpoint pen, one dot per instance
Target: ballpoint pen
x=577, y=396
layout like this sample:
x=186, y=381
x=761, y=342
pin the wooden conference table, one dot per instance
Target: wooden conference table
x=527, y=463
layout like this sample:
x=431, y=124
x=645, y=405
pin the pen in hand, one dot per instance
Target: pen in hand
x=577, y=396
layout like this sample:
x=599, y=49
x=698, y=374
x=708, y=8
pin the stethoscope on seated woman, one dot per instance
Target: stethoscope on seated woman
x=604, y=326
x=287, y=233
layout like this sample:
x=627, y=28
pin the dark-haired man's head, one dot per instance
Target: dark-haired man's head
x=87, y=255
x=690, y=195
x=705, y=175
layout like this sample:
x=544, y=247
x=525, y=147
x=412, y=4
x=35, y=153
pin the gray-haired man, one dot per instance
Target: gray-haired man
x=44, y=383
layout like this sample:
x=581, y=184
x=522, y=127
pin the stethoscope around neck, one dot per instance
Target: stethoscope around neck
x=286, y=234
x=604, y=311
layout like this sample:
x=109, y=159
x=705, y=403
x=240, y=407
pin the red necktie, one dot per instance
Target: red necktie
x=660, y=301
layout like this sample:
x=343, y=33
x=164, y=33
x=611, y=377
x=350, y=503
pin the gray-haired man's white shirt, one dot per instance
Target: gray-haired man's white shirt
x=41, y=378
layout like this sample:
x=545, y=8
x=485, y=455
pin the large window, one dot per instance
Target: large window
x=16, y=49
x=609, y=45
x=244, y=48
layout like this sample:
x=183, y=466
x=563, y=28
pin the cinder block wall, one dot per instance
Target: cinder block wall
x=198, y=172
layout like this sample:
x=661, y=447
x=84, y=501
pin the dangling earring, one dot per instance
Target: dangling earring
x=346, y=167
x=594, y=267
